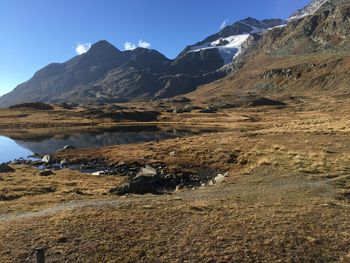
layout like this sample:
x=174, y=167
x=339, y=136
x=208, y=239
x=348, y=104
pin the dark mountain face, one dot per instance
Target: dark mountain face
x=151, y=60
x=202, y=62
x=57, y=79
x=105, y=73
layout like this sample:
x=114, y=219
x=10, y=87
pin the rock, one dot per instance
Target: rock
x=140, y=185
x=179, y=188
x=34, y=156
x=180, y=100
x=266, y=102
x=4, y=168
x=233, y=157
x=209, y=109
x=148, y=171
x=46, y=173
x=172, y=153
x=99, y=173
x=64, y=162
x=68, y=147
x=220, y=178
x=46, y=159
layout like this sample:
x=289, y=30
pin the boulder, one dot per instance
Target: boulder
x=46, y=173
x=4, y=168
x=147, y=171
x=220, y=178
x=46, y=159
x=140, y=185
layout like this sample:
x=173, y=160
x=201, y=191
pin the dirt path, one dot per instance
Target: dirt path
x=59, y=208
x=252, y=189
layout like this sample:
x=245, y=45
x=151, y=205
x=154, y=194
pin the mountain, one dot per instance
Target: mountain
x=233, y=39
x=310, y=9
x=308, y=57
x=106, y=74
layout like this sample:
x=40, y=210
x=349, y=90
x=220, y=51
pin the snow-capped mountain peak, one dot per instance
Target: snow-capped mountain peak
x=308, y=10
x=230, y=41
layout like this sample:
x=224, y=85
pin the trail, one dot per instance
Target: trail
x=60, y=208
x=252, y=189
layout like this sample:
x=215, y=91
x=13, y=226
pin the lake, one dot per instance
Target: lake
x=11, y=149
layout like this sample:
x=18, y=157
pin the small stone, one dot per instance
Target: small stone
x=68, y=147
x=46, y=159
x=172, y=153
x=220, y=178
x=64, y=162
x=46, y=173
x=99, y=173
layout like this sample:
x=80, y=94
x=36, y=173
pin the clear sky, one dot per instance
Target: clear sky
x=34, y=33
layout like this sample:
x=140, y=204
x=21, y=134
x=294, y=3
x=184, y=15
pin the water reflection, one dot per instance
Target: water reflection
x=11, y=149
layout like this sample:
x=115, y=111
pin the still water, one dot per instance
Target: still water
x=14, y=149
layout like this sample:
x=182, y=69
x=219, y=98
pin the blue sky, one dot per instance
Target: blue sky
x=34, y=33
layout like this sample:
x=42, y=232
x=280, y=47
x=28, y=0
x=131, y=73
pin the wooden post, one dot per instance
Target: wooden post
x=40, y=255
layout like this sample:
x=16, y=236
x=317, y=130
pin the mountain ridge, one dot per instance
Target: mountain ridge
x=105, y=73
x=307, y=57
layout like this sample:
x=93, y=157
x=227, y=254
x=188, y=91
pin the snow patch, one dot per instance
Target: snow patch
x=308, y=10
x=280, y=26
x=229, y=48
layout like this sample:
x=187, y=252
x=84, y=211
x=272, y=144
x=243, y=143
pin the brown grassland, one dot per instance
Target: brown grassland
x=287, y=195
x=286, y=198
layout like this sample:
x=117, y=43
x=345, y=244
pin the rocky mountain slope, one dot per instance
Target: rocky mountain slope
x=106, y=74
x=307, y=57
x=308, y=10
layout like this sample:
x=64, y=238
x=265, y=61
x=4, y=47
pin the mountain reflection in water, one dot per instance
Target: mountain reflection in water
x=116, y=136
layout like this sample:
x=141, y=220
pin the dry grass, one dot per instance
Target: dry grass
x=26, y=190
x=286, y=199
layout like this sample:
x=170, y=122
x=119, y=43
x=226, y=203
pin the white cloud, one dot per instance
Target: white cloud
x=131, y=46
x=224, y=24
x=82, y=48
x=144, y=44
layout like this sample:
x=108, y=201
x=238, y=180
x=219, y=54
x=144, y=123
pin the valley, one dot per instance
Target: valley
x=287, y=166
x=236, y=150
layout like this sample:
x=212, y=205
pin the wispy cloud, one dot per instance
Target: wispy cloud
x=224, y=24
x=82, y=48
x=131, y=46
